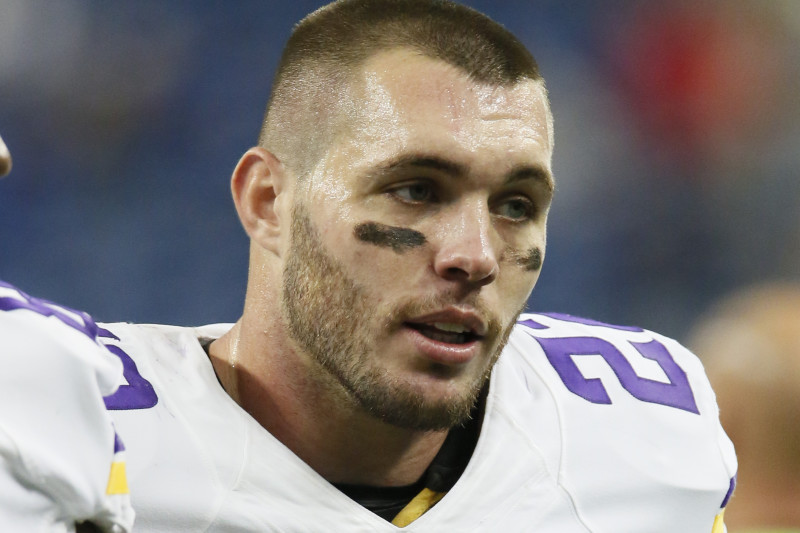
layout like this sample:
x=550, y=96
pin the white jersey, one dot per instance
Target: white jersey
x=587, y=428
x=60, y=459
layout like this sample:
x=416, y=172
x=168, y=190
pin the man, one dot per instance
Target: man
x=749, y=342
x=381, y=376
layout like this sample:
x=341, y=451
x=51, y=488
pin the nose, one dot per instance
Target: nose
x=466, y=252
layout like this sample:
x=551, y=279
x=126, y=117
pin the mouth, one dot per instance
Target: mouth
x=452, y=326
x=446, y=332
x=452, y=336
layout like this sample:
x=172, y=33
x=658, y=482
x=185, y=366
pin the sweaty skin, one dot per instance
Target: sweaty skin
x=398, y=239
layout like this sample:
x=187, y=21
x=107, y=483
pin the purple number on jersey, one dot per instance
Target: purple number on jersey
x=138, y=393
x=560, y=351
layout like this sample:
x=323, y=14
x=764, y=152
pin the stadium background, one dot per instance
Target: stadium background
x=677, y=151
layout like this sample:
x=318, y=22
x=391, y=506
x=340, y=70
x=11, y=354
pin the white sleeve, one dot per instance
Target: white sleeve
x=60, y=459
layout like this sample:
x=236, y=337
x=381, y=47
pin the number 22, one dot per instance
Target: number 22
x=677, y=392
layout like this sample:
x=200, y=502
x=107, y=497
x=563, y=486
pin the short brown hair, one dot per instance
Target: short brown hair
x=328, y=45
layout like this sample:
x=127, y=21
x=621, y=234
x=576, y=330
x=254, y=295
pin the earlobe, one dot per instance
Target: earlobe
x=257, y=182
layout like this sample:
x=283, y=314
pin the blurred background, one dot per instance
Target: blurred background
x=677, y=151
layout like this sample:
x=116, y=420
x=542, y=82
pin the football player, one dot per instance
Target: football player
x=381, y=376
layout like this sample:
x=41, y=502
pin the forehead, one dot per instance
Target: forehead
x=412, y=79
x=402, y=101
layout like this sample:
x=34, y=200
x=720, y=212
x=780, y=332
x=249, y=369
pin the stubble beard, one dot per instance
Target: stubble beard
x=333, y=320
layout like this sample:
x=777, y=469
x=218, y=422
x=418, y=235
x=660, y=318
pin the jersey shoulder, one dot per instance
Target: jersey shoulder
x=187, y=438
x=41, y=332
x=634, y=411
x=58, y=447
x=157, y=359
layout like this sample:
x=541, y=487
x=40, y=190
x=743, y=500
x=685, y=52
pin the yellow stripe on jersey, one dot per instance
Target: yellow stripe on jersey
x=423, y=501
x=117, y=480
x=719, y=523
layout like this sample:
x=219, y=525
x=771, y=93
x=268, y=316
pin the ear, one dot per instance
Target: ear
x=257, y=183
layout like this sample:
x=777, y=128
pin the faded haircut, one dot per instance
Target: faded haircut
x=326, y=48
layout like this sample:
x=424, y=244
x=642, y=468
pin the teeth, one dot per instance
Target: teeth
x=452, y=328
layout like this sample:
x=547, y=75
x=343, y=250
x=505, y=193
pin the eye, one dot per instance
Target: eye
x=516, y=208
x=417, y=192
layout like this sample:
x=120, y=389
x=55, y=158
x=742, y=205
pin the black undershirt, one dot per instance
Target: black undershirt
x=443, y=472
x=441, y=475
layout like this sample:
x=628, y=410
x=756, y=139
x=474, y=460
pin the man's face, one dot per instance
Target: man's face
x=419, y=237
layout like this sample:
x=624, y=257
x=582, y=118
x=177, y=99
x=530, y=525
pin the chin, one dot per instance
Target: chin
x=425, y=405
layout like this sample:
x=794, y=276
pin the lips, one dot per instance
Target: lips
x=450, y=336
x=451, y=321
x=448, y=332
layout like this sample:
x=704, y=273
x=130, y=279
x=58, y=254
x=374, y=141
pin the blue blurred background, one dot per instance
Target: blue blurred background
x=677, y=151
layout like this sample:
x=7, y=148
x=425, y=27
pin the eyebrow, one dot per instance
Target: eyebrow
x=432, y=162
x=535, y=173
x=423, y=161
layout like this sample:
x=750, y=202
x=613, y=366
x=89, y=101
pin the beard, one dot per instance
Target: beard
x=336, y=322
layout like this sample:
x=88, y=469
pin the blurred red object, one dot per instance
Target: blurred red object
x=701, y=78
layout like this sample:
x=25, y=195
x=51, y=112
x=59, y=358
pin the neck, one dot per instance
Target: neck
x=315, y=417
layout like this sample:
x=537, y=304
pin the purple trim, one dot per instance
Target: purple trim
x=118, y=445
x=590, y=322
x=731, y=488
x=532, y=324
x=104, y=333
x=48, y=309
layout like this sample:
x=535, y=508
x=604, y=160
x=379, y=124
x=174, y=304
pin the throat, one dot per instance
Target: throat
x=441, y=475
